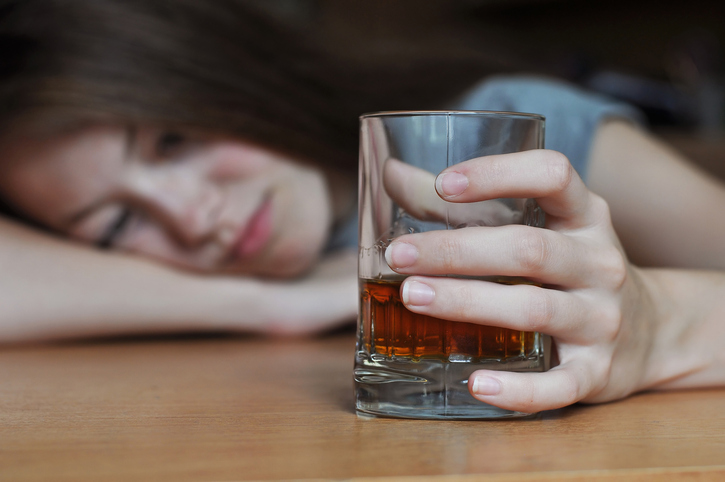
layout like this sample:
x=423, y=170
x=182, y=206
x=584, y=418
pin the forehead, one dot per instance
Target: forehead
x=51, y=177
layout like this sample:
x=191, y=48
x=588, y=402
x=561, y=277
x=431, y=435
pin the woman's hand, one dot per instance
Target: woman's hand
x=324, y=299
x=592, y=302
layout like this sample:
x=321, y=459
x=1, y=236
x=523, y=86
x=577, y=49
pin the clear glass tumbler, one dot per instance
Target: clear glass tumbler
x=409, y=365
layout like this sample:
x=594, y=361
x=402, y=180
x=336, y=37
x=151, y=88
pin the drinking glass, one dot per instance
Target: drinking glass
x=410, y=365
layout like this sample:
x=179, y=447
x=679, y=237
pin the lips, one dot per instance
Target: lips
x=255, y=235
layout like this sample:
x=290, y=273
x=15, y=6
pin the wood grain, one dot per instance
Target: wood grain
x=251, y=408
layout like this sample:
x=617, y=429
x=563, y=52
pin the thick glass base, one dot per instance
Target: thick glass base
x=429, y=388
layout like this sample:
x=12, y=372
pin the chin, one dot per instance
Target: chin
x=283, y=262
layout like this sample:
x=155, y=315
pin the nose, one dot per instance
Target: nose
x=184, y=202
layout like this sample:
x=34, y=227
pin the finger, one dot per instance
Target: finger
x=542, y=174
x=413, y=189
x=521, y=307
x=532, y=392
x=326, y=299
x=542, y=255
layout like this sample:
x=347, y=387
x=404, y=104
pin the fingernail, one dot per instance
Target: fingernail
x=401, y=255
x=451, y=184
x=486, y=386
x=417, y=294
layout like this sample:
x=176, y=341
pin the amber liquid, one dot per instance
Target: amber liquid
x=390, y=329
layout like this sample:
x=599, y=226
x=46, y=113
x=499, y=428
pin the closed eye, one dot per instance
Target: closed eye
x=168, y=143
x=116, y=229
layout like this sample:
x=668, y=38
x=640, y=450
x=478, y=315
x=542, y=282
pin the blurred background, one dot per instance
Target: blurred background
x=665, y=56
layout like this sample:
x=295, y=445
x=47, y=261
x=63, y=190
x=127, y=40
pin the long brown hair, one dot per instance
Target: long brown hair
x=207, y=64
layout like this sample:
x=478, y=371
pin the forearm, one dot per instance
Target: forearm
x=690, y=329
x=666, y=211
x=52, y=289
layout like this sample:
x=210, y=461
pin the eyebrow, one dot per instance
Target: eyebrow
x=130, y=141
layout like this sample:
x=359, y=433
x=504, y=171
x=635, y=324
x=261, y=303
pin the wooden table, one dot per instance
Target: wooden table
x=251, y=408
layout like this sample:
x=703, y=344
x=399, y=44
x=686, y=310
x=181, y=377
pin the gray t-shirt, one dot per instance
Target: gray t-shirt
x=572, y=116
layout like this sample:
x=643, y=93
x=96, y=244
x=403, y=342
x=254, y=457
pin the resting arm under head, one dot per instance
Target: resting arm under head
x=56, y=289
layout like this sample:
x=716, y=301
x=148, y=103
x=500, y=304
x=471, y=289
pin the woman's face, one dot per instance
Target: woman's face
x=201, y=203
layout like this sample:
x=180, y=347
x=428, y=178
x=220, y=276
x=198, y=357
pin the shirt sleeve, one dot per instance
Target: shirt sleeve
x=572, y=114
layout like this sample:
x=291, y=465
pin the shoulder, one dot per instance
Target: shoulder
x=550, y=96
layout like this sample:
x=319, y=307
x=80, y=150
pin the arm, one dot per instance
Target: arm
x=666, y=211
x=687, y=342
x=53, y=289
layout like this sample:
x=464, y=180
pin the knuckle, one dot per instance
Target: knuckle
x=604, y=373
x=601, y=389
x=610, y=322
x=599, y=207
x=497, y=171
x=528, y=396
x=539, y=312
x=464, y=307
x=559, y=170
x=448, y=250
x=613, y=267
x=532, y=251
x=570, y=388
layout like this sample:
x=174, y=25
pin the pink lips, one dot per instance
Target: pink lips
x=257, y=231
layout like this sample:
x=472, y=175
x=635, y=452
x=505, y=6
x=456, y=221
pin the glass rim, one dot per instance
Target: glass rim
x=481, y=113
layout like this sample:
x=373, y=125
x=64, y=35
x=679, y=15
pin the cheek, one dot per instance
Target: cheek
x=235, y=160
x=154, y=242
x=39, y=195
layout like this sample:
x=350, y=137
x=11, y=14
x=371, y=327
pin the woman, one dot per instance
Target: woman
x=188, y=134
x=236, y=138
x=165, y=91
